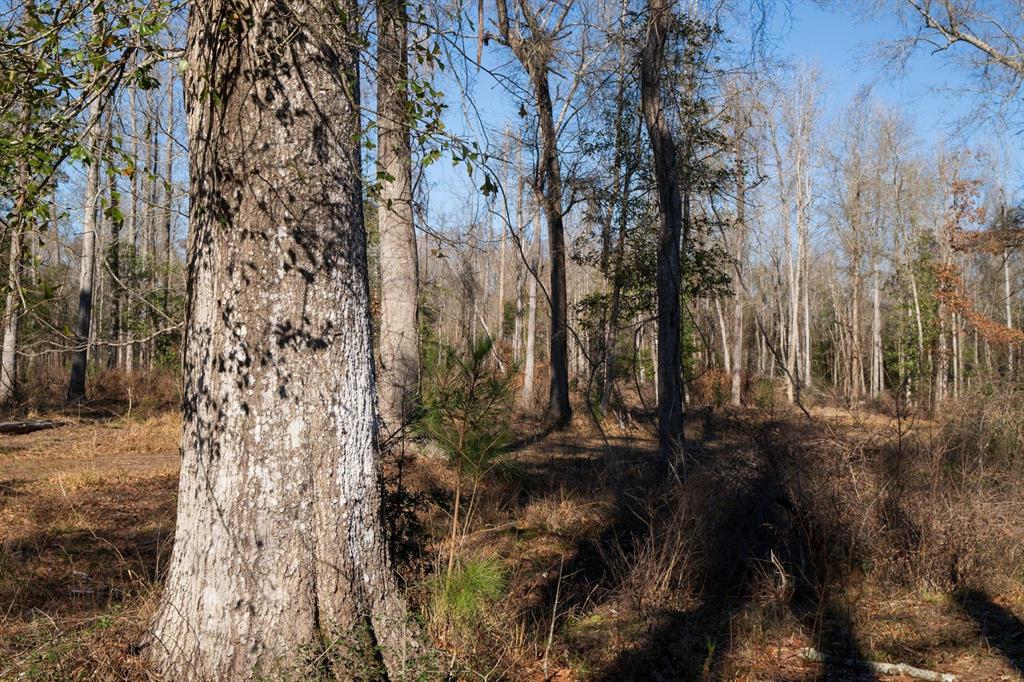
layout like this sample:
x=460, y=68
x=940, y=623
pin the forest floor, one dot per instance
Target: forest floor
x=598, y=587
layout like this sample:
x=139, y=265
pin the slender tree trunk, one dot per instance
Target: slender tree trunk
x=919, y=324
x=941, y=361
x=87, y=261
x=724, y=332
x=736, y=389
x=1008, y=292
x=806, y=343
x=618, y=207
x=793, y=314
x=876, y=333
x=114, y=263
x=500, y=326
x=954, y=337
x=399, y=342
x=12, y=304
x=529, y=366
x=856, y=358
x=279, y=547
x=134, y=178
x=168, y=207
x=517, y=345
x=533, y=53
x=151, y=225
x=670, y=217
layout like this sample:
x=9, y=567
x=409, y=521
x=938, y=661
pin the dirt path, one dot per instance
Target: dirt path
x=93, y=449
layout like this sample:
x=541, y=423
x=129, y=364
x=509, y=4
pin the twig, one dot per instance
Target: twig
x=884, y=668
x=29, y=426
x=554, y=617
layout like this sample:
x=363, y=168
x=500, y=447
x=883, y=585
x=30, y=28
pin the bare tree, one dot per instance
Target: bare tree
x=87, y=259
x=670, y=220
x=12, y=304
x=533, y=42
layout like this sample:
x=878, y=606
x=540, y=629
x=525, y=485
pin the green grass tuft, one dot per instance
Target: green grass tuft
x=461, y=596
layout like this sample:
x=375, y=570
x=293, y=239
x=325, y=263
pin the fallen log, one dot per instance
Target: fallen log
x=883, y=668
x=29, y=426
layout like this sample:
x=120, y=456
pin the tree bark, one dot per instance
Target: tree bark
x=87, y=260
x=1008, y=292
x=279, y=547
x=876, y=333
x=736, y=392
x=529, y=365
x=168, y=207
x=723, y=330
x=8, y=362
x=399, y=344
x=670, y=216
x=559, y=411
x=114, y=264
x=12, y=304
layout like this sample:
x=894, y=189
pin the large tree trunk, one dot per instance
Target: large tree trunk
x=8, y=361
x=398, y=344
x=279, y=547
x=670, y=214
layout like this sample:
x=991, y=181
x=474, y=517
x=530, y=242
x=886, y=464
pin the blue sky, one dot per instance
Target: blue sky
x=845, y=45
x=840, y=39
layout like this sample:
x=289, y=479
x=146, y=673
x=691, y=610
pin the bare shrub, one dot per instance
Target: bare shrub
x=711, y=387
x=983, y=432
x=657, y=564
x=144, y=392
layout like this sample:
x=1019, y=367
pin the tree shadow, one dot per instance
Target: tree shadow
x=87, y=552
x=837, y=641
x=13, y=487
x=1001, y=629
x=748, y=527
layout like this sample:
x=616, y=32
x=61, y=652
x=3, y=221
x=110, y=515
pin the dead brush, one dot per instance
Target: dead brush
x=657, y=564
x=562, y=513
x=771, y=586
x=712, y=387
x=905, y=507
x=144, y=392
x=983, y=434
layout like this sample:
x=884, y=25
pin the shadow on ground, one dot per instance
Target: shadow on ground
x=752, y=526
x=1003, y=631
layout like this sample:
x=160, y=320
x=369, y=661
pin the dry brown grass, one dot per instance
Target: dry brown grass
x=80, y=557
x=855, y=535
